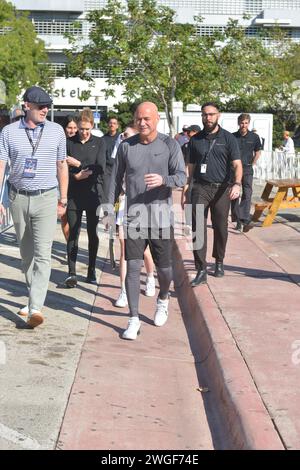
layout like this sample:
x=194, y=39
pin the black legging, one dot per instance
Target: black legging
x=74, y=220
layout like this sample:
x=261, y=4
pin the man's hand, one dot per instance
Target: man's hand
x=71, y=161
x=108, y=220
x=2, y=213
x=153, y=180
x=83, y=174
x=61, y=210
x=234, y=192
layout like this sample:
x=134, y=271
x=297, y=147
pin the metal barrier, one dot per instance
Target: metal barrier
x=277, y=165
x=7, y=220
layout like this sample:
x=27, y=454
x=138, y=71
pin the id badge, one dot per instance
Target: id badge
x=203, y=168
x=30, y=168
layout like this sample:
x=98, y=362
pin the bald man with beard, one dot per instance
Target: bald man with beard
x=152, y=164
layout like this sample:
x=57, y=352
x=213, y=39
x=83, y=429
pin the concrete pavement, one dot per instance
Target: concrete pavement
x=224, y=372
x=38, y=366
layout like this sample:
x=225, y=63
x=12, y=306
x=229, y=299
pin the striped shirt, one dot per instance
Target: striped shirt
x=15, y=147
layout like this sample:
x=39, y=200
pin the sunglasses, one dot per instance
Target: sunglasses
x=42, y=106
x=206, y=115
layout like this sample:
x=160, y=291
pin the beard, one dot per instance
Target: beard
x=210, y=127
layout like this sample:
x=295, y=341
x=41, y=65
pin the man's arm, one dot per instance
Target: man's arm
x=189, y=173
x=2, y=171
x=257, y=149
x=4, y=153
x=177, y=174
x=62, y=172
x=100, y=168
x=117, y=176
x=256, y=157
x=63, y=181
x=63, y=178
x=238, y=174
x=115, y=189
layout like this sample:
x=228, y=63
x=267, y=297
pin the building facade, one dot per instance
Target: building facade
x=53, y=18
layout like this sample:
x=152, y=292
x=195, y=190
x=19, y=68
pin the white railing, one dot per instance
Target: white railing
x=7, y=221
x=277, y=165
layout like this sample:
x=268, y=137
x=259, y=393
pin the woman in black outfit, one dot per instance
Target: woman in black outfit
x=84, y=193
x=70, y=127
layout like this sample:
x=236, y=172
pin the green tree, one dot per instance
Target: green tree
x=21, y=53
x=142, y=48
x=260, y=74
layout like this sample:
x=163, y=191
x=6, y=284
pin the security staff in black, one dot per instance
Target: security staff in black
x=213, y=153
x=250, y=147
x=110, y=139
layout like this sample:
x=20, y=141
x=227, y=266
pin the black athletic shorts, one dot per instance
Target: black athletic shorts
x=160, y=243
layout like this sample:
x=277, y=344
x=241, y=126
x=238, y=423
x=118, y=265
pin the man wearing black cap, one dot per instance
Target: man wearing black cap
x=36, y=152
x=192, y=130
x=182, y=138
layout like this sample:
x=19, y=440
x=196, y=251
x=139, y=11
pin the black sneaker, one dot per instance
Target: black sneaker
x=239, y=226
x=71, y=281
x=91, y=277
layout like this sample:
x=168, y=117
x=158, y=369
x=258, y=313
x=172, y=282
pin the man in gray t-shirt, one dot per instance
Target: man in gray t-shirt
x=152, y=164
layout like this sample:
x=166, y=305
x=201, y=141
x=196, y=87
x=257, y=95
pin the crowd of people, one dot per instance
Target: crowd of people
x=67, y=171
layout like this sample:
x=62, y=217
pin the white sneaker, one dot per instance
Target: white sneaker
x=150, y=287
x=161, y=313
x=133, y=328
x=24, y=311
x=122, y=300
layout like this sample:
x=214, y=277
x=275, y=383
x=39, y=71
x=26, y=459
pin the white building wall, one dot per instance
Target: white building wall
x=69, y=92
x=49, y=5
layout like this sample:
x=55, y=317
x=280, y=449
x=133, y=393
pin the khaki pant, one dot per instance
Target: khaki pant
x=34, y=220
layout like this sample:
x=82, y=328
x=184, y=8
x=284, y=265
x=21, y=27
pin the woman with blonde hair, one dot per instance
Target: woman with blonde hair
x=85, y=193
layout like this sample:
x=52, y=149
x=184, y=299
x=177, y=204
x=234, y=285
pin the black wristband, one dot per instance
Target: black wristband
x=237, y=184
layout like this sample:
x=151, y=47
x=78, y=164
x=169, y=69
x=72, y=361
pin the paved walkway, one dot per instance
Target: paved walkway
x=139, y=394
x=253, y=322
x=37, y=367
x=74, y=383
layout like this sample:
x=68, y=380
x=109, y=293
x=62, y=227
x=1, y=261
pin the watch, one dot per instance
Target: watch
x=237, y=184
x=63, y=204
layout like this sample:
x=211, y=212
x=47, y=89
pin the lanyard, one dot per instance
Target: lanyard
x=211, y=144
x=36, y=145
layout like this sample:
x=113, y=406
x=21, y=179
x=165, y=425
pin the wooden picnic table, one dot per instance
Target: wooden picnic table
x=281, y=200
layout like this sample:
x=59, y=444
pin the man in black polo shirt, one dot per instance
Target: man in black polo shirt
x=212, y=152
x=250, y=147
x=110, y=139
